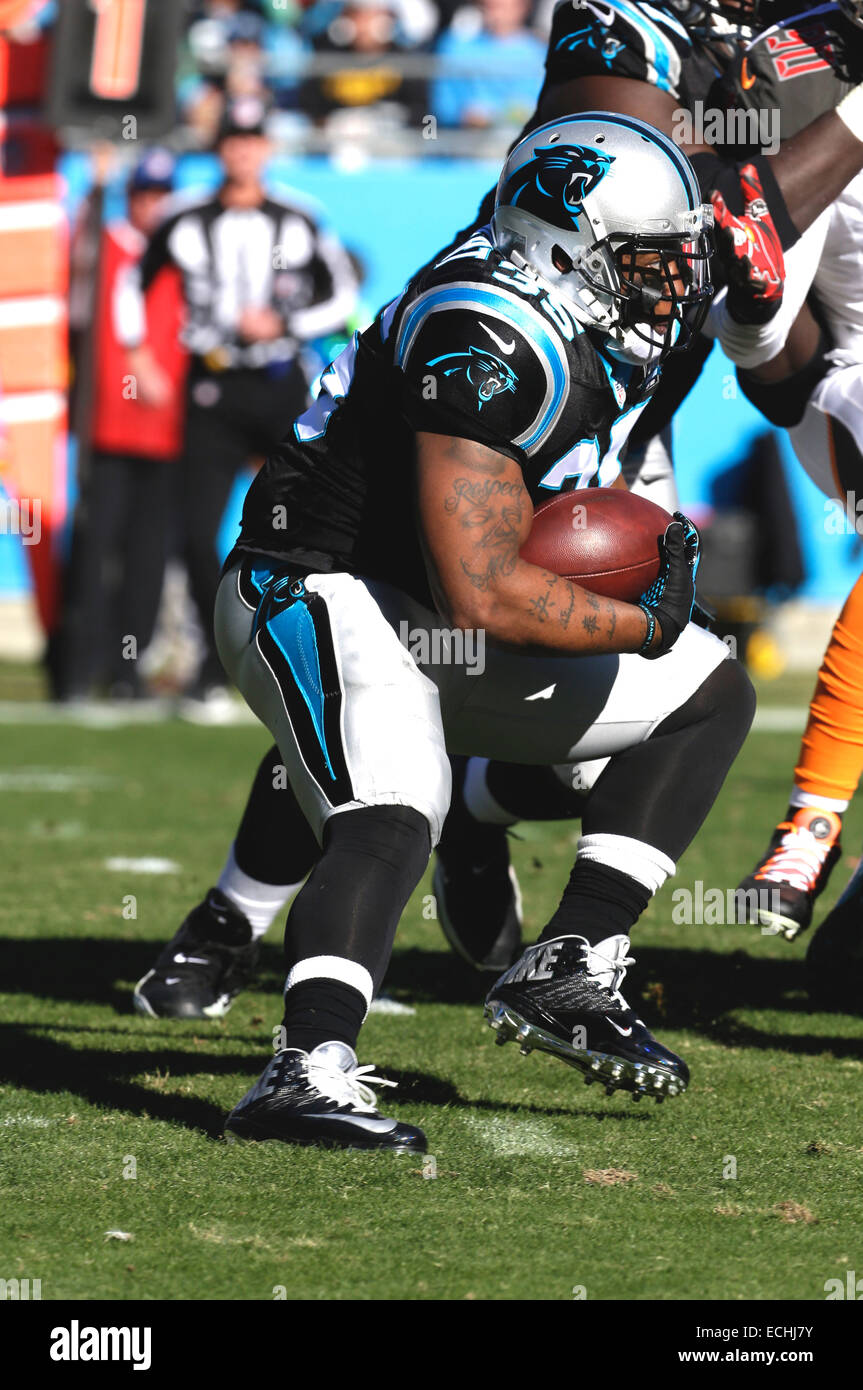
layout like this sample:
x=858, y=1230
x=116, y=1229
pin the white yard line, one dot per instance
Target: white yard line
x=149, y=864
x=515, y=1137
x=771, y=719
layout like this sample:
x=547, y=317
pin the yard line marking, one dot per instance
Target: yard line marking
x=774, y=719
x=148, y=865
x=385, y=1005
x=780, y=719
x=102, y=714
x=56, y=779
x=517, y=1138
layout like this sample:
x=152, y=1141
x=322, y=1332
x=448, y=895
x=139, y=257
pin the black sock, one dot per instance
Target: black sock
x=275, y=843
x=597, y=902
x=321, y=1010
x=350, y=906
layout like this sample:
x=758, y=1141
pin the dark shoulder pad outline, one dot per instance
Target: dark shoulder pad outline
x=535, y=334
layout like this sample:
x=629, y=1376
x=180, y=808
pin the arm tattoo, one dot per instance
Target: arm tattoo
x=494, y=509
x=559, y=595
x=477, y=497
x=539, y=605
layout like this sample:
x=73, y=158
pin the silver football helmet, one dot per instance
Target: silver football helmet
x=608, y=212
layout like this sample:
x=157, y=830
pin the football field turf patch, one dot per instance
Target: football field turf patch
x=535, y=1186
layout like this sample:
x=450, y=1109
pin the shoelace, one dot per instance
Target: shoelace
x=792, y=860
x=617, y=965
x=352, y=1087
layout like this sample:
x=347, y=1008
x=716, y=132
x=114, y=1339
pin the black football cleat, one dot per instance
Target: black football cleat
x=779, y=894
x=563, y=997
x=475, y=887
x=204, y=967
x=320, y=1097
x=834, y=961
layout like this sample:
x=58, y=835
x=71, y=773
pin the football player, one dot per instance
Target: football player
x=403, y=497
x=656, y=62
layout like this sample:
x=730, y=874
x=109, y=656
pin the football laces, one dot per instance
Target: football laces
x=353, y=1088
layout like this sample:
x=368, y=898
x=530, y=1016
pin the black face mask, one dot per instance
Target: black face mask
x=642, y=290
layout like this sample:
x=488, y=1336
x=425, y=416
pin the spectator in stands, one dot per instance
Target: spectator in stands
x=236, y=67
x=136, y=427
x=368, y=34
x=496, y=67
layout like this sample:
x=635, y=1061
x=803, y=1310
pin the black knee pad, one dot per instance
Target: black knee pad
x=727, y=696
x=397, y=836
x=784, y=402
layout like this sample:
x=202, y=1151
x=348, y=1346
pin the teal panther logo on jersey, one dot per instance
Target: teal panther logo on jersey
x=486, y=372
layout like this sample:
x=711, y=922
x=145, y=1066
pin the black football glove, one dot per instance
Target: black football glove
x=669, y=601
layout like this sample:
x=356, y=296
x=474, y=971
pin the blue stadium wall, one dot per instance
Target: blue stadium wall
x=395, y=214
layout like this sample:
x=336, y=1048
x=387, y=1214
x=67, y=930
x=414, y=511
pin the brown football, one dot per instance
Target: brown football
x=603, y=538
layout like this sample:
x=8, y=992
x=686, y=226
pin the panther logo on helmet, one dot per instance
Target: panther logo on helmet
x=554, y=184
x=486, y=372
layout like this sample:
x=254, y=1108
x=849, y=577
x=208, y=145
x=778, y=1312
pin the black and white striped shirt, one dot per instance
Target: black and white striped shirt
x=273, y=256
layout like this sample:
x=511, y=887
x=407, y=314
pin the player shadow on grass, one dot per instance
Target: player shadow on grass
x=680, y=988
x=108, y=1078
x=697, y=990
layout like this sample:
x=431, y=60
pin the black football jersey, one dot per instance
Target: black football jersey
x=474, y=348
x=622, y=38
x=629, y=38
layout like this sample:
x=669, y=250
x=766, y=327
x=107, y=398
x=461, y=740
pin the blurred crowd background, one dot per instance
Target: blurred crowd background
x=383, y=122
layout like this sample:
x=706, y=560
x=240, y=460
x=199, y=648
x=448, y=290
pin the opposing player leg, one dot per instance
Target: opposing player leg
x=828, y=439
x=805, y=846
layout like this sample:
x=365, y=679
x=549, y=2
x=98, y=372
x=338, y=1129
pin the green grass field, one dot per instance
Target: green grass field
x=542, y=1185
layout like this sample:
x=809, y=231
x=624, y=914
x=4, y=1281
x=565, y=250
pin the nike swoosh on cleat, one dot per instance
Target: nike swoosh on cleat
x=175, y=980
x=378, y=1125
x=506, y=348
x=624, y=1032
x=190, y=960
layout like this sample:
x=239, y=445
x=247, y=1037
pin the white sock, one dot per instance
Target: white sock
x=349, y=972
x=648, y=866
x=479, y=800
x=260, y=902
x=824, y=803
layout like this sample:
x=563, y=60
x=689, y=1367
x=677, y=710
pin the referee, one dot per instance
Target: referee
x=259, y=280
